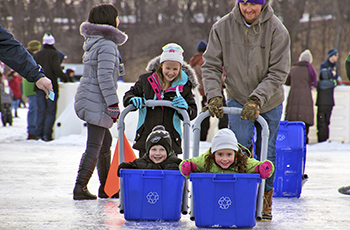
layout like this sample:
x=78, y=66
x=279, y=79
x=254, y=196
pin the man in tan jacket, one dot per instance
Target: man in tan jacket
x=254, y=47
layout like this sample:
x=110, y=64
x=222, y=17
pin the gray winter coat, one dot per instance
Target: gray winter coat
x=98, y=86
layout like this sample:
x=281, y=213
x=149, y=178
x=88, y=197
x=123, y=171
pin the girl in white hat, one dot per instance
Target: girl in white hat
x=226, y=155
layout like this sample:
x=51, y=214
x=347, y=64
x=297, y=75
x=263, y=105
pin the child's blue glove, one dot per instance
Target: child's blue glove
x=138, y=102
x=179, y=102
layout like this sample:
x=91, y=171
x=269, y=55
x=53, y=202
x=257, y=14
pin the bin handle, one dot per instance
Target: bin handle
x=216, y=180
x=160, y=176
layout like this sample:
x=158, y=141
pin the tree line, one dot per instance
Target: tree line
x=318, y=25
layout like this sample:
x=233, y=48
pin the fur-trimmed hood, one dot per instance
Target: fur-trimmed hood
x=153, y=64
x=95, y=32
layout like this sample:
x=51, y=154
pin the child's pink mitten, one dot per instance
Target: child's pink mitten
x=187, y=167
x=264, y=169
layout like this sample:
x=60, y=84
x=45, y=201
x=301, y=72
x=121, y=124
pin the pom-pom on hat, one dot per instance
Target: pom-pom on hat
x=172, y=52
x=224, y=139
x=331, y=52
x=48, y=39
x=260, y=2
x=159, y=136
x=201, y=46
x=306, y=56
x=34, y=45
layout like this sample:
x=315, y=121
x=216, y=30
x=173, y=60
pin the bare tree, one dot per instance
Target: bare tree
x=151, y=24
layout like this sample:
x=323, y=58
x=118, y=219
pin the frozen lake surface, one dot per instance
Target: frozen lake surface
x=37, y=179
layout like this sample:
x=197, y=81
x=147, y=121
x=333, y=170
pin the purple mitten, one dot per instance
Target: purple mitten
x=264, y=169
x=114, y=112
x=187, y=167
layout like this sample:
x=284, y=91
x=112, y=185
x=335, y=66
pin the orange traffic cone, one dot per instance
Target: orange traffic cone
x=112, y=182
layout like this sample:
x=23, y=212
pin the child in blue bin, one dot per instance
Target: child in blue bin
x=159, y=153
x=226, y=155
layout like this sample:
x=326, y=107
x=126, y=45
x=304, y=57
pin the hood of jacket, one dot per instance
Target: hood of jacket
x=95, y=32
x=153, y=64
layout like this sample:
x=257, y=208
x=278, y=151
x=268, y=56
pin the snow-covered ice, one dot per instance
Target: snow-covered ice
x=37, y=179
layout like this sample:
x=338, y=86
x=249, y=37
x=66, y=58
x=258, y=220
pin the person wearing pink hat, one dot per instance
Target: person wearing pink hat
x=254, y=47
x=168, y=77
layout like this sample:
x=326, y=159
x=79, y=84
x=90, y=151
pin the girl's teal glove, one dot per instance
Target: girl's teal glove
x=180, y=102
x=138, y=102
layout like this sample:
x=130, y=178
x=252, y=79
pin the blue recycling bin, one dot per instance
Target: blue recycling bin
x=290, y=159
x=225, y=199
x=152, y=194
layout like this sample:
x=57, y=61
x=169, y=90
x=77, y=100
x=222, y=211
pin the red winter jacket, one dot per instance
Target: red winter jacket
x=15, y=85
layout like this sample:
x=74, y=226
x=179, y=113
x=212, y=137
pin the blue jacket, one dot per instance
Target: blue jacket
x=14, y=55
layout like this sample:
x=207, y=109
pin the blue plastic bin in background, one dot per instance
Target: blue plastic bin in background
x=152, y=194
x=290, y=159
x=225, y=199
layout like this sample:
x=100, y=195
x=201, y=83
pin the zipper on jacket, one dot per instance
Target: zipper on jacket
x=248, y=62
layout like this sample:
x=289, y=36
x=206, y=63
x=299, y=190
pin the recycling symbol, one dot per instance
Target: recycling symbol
x=224, y=202
x=281, y=137
x=152, y=197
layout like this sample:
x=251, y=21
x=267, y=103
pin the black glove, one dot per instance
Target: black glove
x=251, y=109
x=125, y=165
x=215, y=107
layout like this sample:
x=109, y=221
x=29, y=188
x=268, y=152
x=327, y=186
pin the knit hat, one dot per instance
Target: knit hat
x=201, y=46
x=34, y=45
x=224, y=139
x=48, y=39
x=331, y=52
x=260, y=2
x=172, y=52
x=159, y=136
x=306, y=56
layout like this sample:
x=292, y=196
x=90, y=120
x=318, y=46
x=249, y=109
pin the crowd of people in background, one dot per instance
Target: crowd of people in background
x=17, y=90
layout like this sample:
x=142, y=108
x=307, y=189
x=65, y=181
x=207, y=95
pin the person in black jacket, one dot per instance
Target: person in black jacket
x=169, y=78
x=15, y=55
x=159, y=153
x=325, y=94
x=48, y=58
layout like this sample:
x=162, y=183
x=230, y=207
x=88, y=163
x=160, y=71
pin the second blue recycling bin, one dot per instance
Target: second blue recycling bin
x=225, y=199
x=290, y=159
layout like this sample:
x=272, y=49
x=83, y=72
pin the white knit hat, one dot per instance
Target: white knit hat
x=306, y=56
x=224, y=139
x=172, y=52
x=48, y=39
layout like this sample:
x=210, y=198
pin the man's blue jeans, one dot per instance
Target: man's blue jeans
x=244, y=131
x=46, y=115
x=31, y=116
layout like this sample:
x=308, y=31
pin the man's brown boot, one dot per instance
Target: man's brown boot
x=267, y=206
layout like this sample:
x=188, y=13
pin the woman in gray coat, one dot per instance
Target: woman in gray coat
x=96, y=100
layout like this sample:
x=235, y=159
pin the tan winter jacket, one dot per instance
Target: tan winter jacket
x=256, y=59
